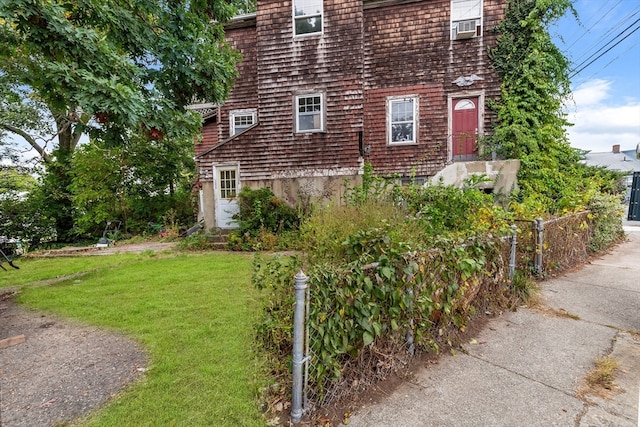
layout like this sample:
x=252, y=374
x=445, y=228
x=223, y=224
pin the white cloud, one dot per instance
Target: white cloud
x=600, y=121
x=591, y=92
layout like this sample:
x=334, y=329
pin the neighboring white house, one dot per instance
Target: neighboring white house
x=616, y=160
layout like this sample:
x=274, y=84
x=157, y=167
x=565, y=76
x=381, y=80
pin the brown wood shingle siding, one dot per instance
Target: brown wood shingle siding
x=243, y=95
x=328, y=63
x=408, y=50
x=209, y=138
x=245, y=88
x=367, y=52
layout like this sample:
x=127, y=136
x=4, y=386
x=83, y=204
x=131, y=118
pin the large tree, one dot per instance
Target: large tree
x=136, y=183
x=107, y=69
x=100, y=66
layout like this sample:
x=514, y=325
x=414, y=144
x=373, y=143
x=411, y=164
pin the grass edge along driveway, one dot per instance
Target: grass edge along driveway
x=193, y=313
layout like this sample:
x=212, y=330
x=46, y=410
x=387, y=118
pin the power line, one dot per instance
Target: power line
x=582, y=65
x=612, y=61
x=594, y=24
x=620, y=23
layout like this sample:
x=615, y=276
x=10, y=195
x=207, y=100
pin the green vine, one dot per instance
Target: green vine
x=382, y=290
x=531, y=122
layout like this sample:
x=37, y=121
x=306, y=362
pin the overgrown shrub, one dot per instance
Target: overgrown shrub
x=274, y=275
x=448, y=209
x=21, y=218
x=323, y=234
x=261, y=217
x=396, y=260
x=372, y=187
x=390, y=261
x=606, y=216
x=382, y=289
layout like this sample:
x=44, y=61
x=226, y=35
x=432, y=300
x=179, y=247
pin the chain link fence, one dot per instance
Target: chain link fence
x=378, y=361
x=535, y=246
x=545, y=247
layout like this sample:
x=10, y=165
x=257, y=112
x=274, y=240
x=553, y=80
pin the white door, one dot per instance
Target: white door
x=226, y=187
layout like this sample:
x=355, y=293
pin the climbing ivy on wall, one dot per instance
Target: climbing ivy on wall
x=535, y=81
x=531, y=122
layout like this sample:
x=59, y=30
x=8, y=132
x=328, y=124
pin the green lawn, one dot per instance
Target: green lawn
x=193, y=313
x=33, y=270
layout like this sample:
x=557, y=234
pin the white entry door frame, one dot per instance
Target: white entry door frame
x=226, y=184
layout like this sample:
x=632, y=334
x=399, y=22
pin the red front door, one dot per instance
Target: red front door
x=465, y=128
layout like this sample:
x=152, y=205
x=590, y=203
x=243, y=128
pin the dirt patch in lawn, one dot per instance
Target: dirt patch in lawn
x=52, y=370
x=62, y=370
x=150, y=246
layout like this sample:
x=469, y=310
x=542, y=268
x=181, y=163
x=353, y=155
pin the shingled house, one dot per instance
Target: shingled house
x=325, y=86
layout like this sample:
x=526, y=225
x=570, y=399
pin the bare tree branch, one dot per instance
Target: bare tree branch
x=45, y=156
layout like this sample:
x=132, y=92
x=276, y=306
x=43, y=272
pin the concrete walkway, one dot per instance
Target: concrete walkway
x=525, y=367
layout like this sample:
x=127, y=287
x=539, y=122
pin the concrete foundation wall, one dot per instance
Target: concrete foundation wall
x=502, y=173
x=206, y=212
x=295, y=191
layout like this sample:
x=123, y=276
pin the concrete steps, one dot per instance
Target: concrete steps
x=219, y=239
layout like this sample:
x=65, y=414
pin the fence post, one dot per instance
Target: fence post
x=539, y=226
x=512, y=255
x=409, y=334
x=300, y=287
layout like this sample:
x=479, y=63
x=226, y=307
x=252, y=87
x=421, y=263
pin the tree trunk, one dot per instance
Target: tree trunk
x=58, y=175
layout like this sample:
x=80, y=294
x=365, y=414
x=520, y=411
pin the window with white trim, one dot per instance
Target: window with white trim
x=240, y=120
x=307, y=17
x=310, y=113
x=466, y=19
x=402, y=119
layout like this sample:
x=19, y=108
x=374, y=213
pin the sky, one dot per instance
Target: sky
x=604, y=50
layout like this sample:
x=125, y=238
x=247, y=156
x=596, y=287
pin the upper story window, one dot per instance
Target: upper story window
x=307, y=17
x=310, y=113
x=240, y=120
x=402, y=119
x=466, y=19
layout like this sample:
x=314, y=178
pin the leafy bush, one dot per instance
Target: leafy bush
x=379, y=291
x=196, y=242
x=447, y=209
x=395, y=260
x=21, y=218
x=261, y=217
x=274, y=275
x=606, y=214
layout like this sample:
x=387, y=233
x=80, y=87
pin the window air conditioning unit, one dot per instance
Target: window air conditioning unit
x=465, y=29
